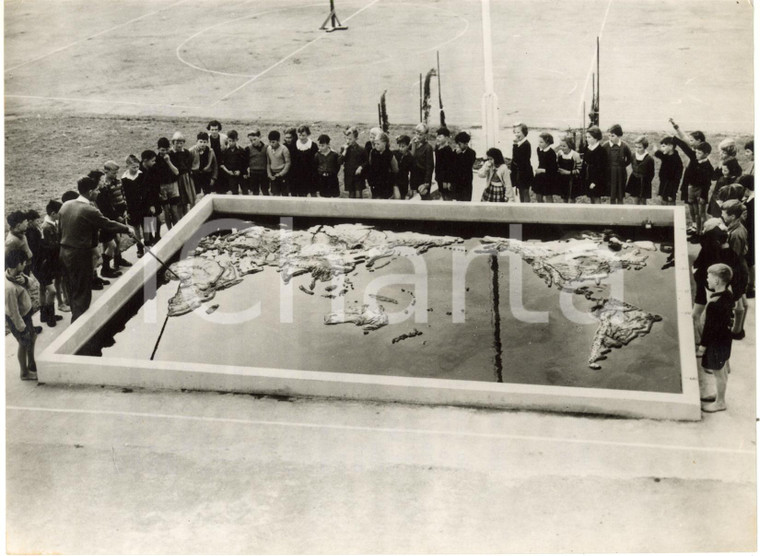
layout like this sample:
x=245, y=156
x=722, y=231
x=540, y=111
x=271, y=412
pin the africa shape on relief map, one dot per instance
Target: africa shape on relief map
x=329, y=252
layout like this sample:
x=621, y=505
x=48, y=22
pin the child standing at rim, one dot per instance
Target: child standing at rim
x=183, y=161
x=594, y=166
x=234, y=164
x=133, y=183
x=520, y=168
x=546, y=174
x=381, y=169
x=352, y=157
x=642, y=172
x=715, y=345
x=328, y=165
x=256, y=176
x=168, y=189
x=51, y=238
x=461, y=176
x=278, y=165
x=569, y=164
x=671, y=169
x=494, y=170
x=218, y=144
x=732, y=212
x=421, y=176
x=152, y=207
x=405, y=161
x=205, y=167
x=18, y=312
x=444, y=161
x=618, y=158
x=697, y=176
x=303, y=168
x=44, y=257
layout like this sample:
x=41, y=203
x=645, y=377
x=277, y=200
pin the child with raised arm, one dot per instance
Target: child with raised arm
x=278, y=165
x=594, y=166
x=464, y=159
x=544, y=181
x=520, y=168
x=671, y=169
x=498, y=190
x=328, y=165
x=569, y=164
x=642, y=172
x=619, y=157
x=352, y=157
x=715, y=345
x=697, y=176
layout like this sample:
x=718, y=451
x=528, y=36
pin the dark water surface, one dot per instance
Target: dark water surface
x=492, y=344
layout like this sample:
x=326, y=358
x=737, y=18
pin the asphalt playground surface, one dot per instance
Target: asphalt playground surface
x=102, y=470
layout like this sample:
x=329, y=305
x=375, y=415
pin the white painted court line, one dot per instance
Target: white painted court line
x=102, y=101
x=103, y=32
x=296, y=51
x=390, y=430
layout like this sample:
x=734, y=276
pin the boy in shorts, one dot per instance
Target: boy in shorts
x=715, y=346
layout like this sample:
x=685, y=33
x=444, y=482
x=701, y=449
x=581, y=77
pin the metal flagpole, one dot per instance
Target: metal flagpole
x=490, y=110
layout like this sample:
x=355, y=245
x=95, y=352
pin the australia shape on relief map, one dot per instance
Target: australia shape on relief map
x=327, y=252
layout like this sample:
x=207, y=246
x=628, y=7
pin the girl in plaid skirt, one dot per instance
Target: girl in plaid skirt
x=499, y=189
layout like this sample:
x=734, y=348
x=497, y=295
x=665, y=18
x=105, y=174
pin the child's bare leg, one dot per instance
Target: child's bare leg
x=539, y=198
x=706, y=381
x=31, y=363
x=740, y=313
x=22, y=359
x=721, y=381
x=696, y=315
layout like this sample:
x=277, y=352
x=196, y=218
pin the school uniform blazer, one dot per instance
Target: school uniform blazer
x=210, y=168
x=80, y=223
x=520, y=168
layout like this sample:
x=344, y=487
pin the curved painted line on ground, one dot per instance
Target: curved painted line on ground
x=382, y=60
x=226, y=22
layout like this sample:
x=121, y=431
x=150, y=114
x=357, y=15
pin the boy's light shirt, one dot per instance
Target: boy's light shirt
x=594, y=147
x=521, y=141
x=547, y=149
x=303, y=146
x=126, y=174
x=641, y=156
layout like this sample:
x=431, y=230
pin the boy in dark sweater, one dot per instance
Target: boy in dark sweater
x=464, y=159
x=671, y=169
x=520, y=168
x=444, y=162
x=715, y=346
x=698, y=175
x=256, y=175
x=353, y=158
x=405, y=162
x=327, y=162
x=234, y=163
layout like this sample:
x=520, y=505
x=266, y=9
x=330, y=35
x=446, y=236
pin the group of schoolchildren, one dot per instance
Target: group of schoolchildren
x=162, y=185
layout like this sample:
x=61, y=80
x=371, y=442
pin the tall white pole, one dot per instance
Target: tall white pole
x=490, y=109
